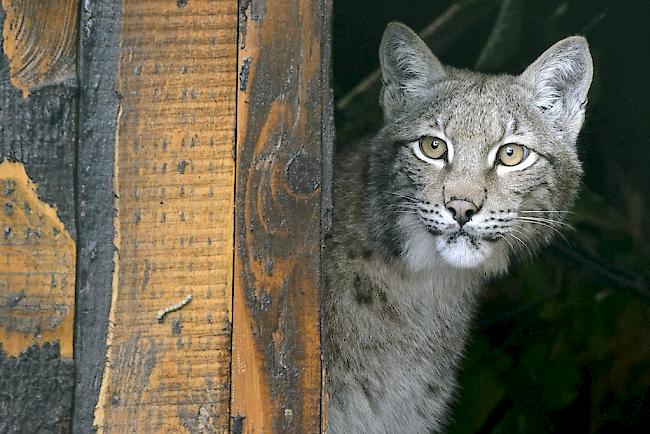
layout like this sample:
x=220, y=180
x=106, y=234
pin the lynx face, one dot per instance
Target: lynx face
x=470, y=168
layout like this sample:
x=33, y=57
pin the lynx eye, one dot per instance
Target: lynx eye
x=512, y=154
x=433, y=147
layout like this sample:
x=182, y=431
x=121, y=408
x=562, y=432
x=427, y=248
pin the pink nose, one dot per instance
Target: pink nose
x=462, y=210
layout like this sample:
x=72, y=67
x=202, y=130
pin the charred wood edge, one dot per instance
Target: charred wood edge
x=97, y=64
x=327, y=155
x=439, y=35
x=236, y=422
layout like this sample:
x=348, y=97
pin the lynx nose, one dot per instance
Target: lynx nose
x=462, y=210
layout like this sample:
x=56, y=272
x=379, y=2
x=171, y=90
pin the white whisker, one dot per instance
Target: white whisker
x=403, y=205
x=546, y=211
x=503, y=237
x=522, y=231
x=530, y=253
x=409, y=198
x=546, y=220
x=548, y=225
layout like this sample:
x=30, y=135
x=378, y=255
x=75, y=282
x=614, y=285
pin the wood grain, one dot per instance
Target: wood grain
x=174, y=177
x=37, y=268
x=281, y=125
x=38, y=135
x=95, y=204
x=40, y=41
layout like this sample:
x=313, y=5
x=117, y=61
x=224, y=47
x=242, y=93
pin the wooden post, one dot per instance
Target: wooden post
x=173, y=182
x=95, y=204
x=282, y=123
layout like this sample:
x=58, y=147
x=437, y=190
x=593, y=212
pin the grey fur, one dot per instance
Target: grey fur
x=401, y=281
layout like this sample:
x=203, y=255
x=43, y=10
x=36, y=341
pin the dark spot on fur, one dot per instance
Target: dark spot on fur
x=361, y=294
x=391, y=312
x=366, y=391
x=433, y=389
x=352, y=254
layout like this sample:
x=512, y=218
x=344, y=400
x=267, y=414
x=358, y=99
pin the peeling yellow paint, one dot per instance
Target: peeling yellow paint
x=40, y=41
x=37, y=268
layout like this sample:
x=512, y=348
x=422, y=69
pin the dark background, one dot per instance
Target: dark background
x=563, y=345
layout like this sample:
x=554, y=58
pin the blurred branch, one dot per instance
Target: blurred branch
x=504, y=39
x=439, y=35
x=495, y=416
x=637, y=284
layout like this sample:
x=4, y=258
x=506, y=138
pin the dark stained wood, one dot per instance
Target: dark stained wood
x=98, y=61
x=327, y=162
x=38, y=125
x=36, y=391
x=283, y=122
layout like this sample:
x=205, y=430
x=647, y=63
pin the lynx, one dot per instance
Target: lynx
x=468, y=173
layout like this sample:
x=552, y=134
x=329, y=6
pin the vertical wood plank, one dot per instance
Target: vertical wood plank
x=174, y=177
x=38, y=123
x=98, y=64
x=280, y=131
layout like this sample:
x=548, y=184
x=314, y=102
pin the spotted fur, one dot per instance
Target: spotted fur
x=402, y=277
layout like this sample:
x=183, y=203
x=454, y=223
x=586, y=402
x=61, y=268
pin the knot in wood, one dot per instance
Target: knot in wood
x=303, y=173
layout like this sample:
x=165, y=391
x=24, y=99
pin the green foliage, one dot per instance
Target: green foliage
x=563, y=343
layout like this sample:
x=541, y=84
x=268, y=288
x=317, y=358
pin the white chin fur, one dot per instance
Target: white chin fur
x=419, y=250
x=461, y=253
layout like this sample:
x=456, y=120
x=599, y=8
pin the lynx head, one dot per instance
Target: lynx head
x=470, y=168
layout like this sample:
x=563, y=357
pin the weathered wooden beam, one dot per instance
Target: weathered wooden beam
x=97, y=68
x=283, y=121
x=38, y=124
x=174, y=177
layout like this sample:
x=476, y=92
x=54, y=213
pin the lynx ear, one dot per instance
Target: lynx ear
x=561, y=78
x=408, y=68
